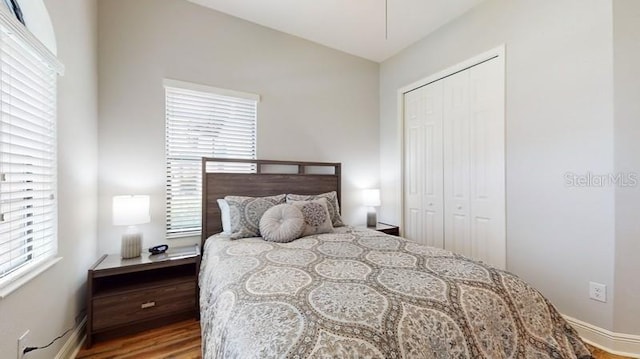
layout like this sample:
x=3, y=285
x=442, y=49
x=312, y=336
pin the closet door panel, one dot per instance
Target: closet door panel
x=433, y=180
x=423, y=165
x=457, y=238
x=487, y=175
x=413, y=157
x=456, y=163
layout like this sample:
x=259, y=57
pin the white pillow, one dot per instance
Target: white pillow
x=281, y=223
x=225, y=216
x=316, y=216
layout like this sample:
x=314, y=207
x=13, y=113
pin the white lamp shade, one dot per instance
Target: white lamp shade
x=130, y=210
x=371, y=197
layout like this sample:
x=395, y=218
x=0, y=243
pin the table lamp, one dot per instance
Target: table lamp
x=129, y=211
x=371, y=200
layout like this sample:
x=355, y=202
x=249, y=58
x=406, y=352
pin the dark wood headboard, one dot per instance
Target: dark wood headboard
x=268, y=178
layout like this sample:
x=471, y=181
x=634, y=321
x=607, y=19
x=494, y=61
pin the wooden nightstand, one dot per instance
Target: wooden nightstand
x=130, y=295
x=387, y=228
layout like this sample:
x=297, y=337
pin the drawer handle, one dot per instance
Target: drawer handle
x=148, y=305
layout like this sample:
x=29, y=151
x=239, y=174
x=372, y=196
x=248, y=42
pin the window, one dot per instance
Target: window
x=202, y=121
x=28, y=204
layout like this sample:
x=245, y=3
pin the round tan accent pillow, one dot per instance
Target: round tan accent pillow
x=282, y=223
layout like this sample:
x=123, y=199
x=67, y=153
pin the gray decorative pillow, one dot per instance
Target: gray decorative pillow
x=332, y=204
x=281, y=223
x=316, y=216
x=245, y=213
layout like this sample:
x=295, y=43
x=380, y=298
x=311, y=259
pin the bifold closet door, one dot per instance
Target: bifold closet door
x=423, y=200
x=474, y=178
x=454, y=179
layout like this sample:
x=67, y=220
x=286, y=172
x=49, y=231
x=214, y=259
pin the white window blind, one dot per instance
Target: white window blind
x=28, y=204
x=202, y=121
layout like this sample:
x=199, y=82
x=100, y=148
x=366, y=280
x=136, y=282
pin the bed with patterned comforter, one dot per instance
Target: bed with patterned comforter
x=358, y=293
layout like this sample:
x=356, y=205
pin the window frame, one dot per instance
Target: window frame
x=172, y=230
x=17, y=40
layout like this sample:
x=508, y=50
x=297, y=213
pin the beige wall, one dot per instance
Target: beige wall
x=317, y=104
x=320, y=104
x=559, y=118
x=626, y=57
x=48, y=304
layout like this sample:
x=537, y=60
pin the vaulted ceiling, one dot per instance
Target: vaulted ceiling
x=372, y=29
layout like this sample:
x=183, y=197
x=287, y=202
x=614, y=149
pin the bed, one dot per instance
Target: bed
x=355, y=292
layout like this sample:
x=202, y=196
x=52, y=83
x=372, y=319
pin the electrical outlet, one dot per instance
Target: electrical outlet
x=23, y=342
x=598, y=291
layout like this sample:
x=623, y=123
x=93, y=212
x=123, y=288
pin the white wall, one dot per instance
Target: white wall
x=48, y=304
x=626, y=57
x=559, y=118
x=318, y=104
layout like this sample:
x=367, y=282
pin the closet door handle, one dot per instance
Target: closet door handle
x=459, y=207
x=430, y=203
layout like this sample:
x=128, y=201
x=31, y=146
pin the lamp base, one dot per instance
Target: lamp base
x=371, y=218
x=131, y=243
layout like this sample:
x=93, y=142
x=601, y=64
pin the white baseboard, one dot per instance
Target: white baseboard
x=615, y=343
x=73, y=344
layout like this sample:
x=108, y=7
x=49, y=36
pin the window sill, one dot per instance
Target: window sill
x=12, y=286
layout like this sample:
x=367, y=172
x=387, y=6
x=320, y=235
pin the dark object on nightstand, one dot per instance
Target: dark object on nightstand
x=125, y=296
x=386, y=228
x=158, y=249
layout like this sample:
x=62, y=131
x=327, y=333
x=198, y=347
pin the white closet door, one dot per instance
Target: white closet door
x=413, y=157
x=487, y=175
x=474, y=190
x=456, y=163
x=423, y=185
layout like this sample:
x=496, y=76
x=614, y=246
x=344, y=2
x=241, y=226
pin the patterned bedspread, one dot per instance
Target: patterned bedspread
x=357, y=293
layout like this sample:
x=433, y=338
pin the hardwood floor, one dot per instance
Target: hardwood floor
x=601, y=354
x=181, y=341
x=178, y=341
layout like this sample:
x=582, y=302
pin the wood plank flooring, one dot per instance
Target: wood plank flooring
x=177, y=341
x=181, y=341
x=601, y=354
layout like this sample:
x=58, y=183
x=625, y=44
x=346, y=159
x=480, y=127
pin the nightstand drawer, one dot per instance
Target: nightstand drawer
x=125, y=308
